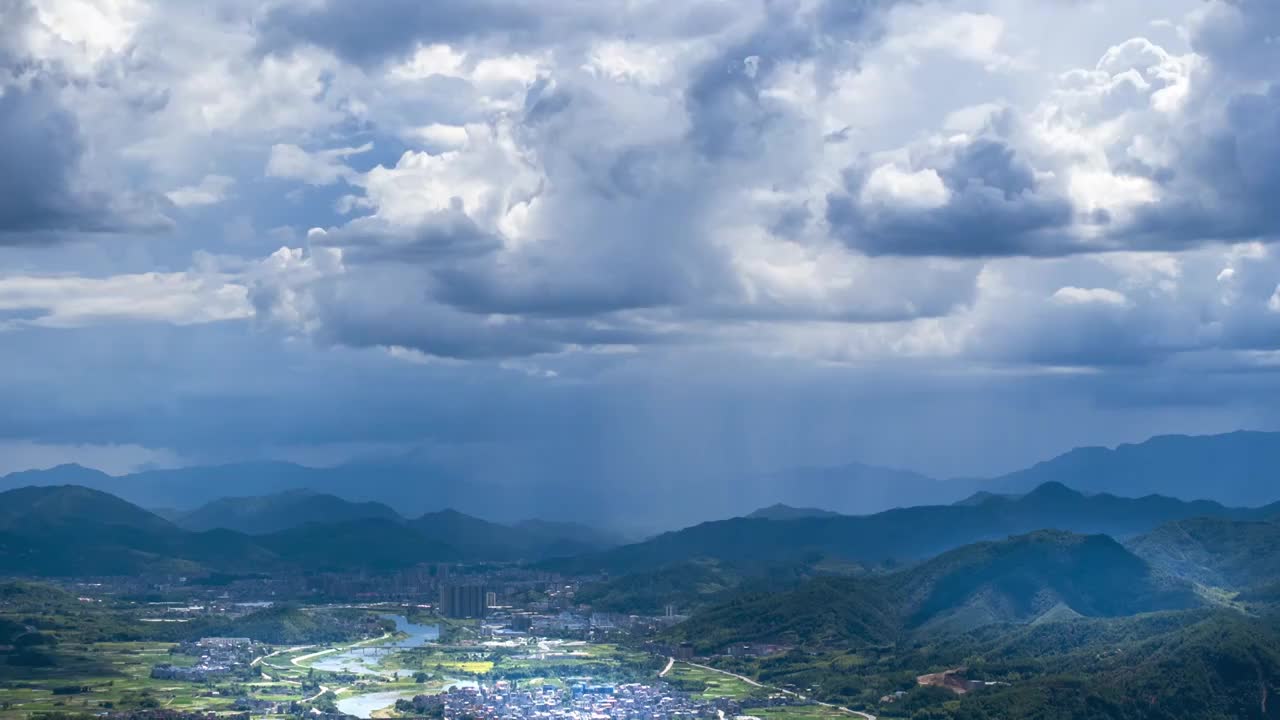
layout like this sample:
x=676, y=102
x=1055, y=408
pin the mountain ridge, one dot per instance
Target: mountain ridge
x=1230, y=468
x=72, y=530
x=905, y=534
x=264, y=514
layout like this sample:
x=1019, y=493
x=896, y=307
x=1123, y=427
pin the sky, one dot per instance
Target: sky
x=634, y=241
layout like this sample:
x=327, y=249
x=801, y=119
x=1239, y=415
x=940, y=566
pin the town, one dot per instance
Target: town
x=493, y=641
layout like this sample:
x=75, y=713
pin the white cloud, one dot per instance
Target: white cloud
x=210, y=191
x=975, y=37
x=487, y=179
x=893, y=186
x=429, y=60
x=1086, y=296
x=323, y=167
x=439, y=137
x=181, y=298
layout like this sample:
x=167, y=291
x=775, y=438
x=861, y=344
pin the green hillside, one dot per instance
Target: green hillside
x=1041, y=576
x=1021, y=579
x=1214, y=551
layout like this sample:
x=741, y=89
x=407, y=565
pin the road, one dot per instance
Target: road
x=298, y=660
x=753, y=683
x=258, y=660
x=670, y=664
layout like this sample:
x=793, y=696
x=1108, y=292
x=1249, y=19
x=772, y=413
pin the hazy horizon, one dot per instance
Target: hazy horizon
x=115, y=460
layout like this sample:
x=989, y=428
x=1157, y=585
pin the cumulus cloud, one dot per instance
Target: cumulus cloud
x=967, y=197
x=924, y=189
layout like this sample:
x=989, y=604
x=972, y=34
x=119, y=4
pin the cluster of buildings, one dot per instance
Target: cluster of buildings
x=219, y=657
x=460, y=601
x=597, y=702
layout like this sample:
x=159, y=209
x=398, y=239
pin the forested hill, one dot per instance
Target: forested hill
x=1216, y=552
x=1035, y=577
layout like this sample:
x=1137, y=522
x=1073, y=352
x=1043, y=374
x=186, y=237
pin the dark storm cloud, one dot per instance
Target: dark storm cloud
x=1239, y=37
x=1227, y=174
x=631, y=246
x=444, y=332
x=384, y=304
x=40, y=199
x=369, y=33
x=40, y=194
x=442, y=237
x=42, y=148
x=40, y=142
x=1227, y=183
x=995, y=206
x=726, y=113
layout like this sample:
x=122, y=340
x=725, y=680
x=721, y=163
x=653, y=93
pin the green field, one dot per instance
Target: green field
x=710, y=684
x=98, y=677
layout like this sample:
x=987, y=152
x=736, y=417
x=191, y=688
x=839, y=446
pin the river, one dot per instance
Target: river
x=364, y=659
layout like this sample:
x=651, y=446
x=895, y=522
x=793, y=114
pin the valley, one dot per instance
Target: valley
x=1052, y=603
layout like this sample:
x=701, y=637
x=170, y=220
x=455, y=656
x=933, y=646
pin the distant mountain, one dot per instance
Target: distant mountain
x=852, y=488
x=983, y=497
x=584, y=535
x=1235, y=469
x=1216, y=552
x=904, y=534
x=786, y=512
x=1239, y=468
x=281, y=511
x=1018, y=580
x=408, y=486
x=411, y=488
x=68, y=474
x=70, y=530
x=527, y=541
